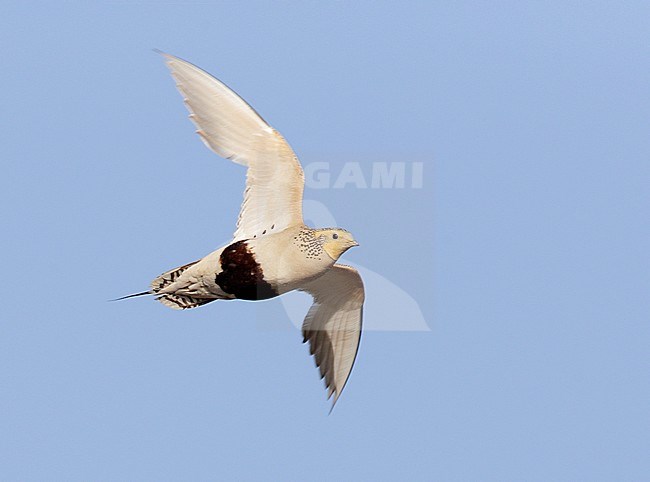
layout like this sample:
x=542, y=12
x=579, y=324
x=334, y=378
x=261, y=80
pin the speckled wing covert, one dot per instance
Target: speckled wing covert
x=333, y=324
x=231, y=128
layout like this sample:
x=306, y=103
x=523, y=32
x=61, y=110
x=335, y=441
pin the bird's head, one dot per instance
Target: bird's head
x=336, y=241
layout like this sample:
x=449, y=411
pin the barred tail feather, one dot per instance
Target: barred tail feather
x=168, y=277
x=182, y=302
x=175, y=301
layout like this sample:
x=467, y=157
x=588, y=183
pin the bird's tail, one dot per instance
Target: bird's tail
x=175, y=301
x=133, y=295
x=182, y=302
x=168, y=277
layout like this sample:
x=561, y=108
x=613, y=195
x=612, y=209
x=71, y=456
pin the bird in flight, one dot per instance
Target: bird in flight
x=272, y=251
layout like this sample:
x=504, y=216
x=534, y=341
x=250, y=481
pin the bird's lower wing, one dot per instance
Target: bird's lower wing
x=333, y=324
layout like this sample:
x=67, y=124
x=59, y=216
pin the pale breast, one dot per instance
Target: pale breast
x=290, y=258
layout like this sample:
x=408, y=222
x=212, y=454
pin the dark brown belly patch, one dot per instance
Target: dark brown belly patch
x=241, y=275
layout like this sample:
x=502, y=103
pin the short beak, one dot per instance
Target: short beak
x=354, y=243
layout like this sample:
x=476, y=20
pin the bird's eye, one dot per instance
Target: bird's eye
x=335, y=236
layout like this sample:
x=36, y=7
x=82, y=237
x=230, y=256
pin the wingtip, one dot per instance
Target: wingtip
x=336, y=397
x=168, y=57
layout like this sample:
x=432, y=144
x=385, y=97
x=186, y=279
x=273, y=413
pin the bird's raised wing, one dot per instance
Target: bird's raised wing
x=231, y=128
x=333, y=324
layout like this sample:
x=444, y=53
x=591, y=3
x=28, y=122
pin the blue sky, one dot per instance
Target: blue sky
x=525, y=251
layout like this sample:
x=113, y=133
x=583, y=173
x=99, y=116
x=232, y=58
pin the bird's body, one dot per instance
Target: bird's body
x=254, y=269
x=272, y=251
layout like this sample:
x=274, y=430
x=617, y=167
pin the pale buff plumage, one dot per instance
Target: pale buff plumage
x=272, y=251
